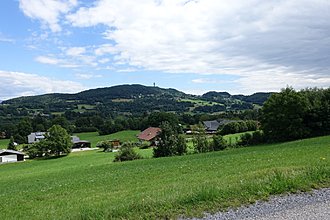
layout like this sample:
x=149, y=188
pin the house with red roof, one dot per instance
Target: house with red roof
x=150, y=134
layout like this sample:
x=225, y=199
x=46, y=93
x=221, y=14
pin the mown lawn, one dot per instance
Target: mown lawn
x=88, y=185
x=123, y=136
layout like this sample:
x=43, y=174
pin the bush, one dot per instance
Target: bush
x=200, y=142
x=181, y=145
x=37, y=149
x=255, y=138
x=219, y=143
x=143, y=145
x=127, y=153
x=12, y=144
x=106, y=145
x=238, y=127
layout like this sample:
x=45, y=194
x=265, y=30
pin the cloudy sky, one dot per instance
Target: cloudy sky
x=239, y=46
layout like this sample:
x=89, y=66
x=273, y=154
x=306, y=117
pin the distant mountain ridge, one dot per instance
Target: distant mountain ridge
x=134, y=99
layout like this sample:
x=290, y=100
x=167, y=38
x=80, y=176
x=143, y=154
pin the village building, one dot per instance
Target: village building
x=150, y=134
x=115, y=143
x=7, y=156
x=35, y=137
x=77, y=143
x=211, y=126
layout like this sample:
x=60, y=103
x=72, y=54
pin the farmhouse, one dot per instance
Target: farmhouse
x=77, y=143
x=35, y=137
x=150, y=134
x=10, y=156
x=211, y=126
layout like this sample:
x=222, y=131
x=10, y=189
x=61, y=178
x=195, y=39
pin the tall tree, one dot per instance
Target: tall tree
x=283, y=116
x=170, y=143
x=58, y=140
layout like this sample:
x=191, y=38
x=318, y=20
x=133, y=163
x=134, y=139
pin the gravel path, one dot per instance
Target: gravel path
x=303, y=206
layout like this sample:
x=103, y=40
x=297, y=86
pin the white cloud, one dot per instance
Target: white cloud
x=75, y=51
x=47, y=11
x=208, y=81
x=263, y=82
x=14, y=84
x=260, y=41
x=104, y=60
x=105, y=49
x=47, y=60
x=87, y=76
x=4, y=38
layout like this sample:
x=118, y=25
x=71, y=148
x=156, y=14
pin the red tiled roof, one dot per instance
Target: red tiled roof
x=149, y=134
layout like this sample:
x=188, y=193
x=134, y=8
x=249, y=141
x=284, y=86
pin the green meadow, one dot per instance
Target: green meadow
x=88, y=185
x=4, y=143
x=123, y=136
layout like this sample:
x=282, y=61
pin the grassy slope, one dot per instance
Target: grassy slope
x=123, y=136
x=88, y=185
x=4, y=143
x=199, y=102
x=230, y=138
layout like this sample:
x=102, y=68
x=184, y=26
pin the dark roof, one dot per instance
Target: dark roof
x=211, y=125
x=6, y=151
x=81, y=141
x=149, y=134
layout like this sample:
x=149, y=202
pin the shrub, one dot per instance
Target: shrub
x=255, y=138
x=181, y=145
x=12, y=144
x=37, y=149
x=239, y=126
x=219, y=143
x=143, y=145
x=106, y=145
x=126, y=153
x=200, y=142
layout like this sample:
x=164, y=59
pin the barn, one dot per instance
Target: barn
x=10, y=156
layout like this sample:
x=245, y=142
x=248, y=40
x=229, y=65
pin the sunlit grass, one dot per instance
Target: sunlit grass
x=4, y=143
x=88, y=185
x=123, y=136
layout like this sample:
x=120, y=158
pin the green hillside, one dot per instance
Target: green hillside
x=126, y=99
x=88, y=185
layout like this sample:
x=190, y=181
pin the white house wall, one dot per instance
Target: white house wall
x=8, y=158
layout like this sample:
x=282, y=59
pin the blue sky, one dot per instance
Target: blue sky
x=241, y=46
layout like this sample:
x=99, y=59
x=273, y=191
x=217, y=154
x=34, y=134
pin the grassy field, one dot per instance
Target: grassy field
x=88, y=185
x=199, y=102
x=231, y=139
x=123, y=136
x=4, y=143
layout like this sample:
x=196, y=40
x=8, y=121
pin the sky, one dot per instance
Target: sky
x=195, y=46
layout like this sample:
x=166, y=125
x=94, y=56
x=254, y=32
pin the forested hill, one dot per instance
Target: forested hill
x=256, y=98
x=106, y=95
x=129, y=99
